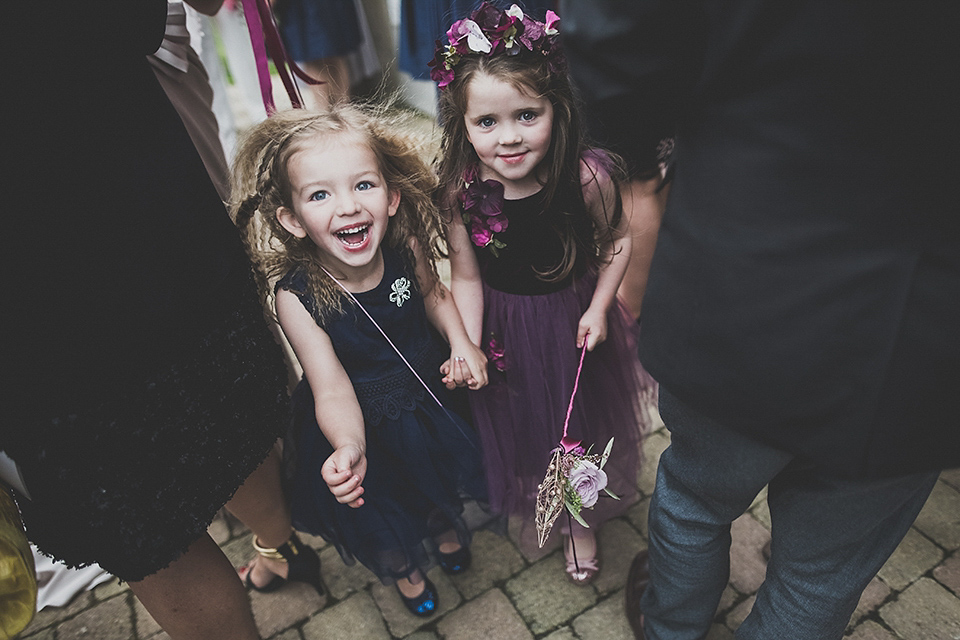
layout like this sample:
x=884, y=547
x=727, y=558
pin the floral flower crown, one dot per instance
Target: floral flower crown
x=490, y=31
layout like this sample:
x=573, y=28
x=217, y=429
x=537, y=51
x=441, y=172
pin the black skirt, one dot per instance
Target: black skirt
x=131, y=483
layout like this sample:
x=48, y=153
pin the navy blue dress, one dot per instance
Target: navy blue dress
x=317, y=29
x=420, y=458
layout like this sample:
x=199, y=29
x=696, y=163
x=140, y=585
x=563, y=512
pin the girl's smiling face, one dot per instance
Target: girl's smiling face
x=340, y=200
x=510, y=130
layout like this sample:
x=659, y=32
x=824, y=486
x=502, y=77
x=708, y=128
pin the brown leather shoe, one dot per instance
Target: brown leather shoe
x=637, y=580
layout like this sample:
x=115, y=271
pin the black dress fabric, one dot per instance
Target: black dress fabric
x=534, y=249
x=421, y=458
x=141, y=384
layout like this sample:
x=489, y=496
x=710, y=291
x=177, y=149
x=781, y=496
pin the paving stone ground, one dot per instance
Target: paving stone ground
x=508, y=596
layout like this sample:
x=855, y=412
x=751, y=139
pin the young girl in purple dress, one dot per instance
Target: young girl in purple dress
x=538, y=249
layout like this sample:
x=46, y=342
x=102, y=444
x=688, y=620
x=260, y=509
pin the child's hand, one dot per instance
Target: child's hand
x=468, y=369
x=343, y=472
x=593, y=328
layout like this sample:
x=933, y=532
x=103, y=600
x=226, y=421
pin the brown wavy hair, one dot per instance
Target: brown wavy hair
x=261, y=184
x=568, y=145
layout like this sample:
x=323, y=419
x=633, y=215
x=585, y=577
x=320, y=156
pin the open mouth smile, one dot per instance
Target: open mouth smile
x=354, y=237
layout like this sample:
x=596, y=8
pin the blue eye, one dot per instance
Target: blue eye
x=527, y=116
x=486, y=122
x=318, y=195
x=365, y=185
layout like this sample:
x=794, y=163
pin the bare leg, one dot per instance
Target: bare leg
x=335, y=75
x=260, y=504
x=644, y=210
x=198, y=597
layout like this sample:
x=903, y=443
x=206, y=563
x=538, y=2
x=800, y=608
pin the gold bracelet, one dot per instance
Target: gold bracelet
x=267, y=552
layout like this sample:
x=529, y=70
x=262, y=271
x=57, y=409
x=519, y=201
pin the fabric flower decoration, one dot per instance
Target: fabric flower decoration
x=465, y=36
x=496, y=354
x=482, y=205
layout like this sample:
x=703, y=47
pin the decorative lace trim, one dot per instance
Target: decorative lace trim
x=388, y=397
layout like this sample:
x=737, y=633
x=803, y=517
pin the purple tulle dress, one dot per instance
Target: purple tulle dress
x=529, y=335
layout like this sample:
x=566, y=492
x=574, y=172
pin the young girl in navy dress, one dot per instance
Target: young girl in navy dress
x=378, y=465
x=538, y=250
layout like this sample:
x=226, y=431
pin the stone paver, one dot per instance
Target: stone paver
x=342, y=580
x=545, y=598
x=282, y=609
x=110, y=620
x=873, y=596
x=914, y=557
x=948, y=573
x=490, y=616
x=506, y=595
x=925, y=610
x=870, y=630
x=619, y=543
x=606, y=621
x=653, y=446
x=483, y=575
x=747, y=565
x=356, y=618
x=940, y=518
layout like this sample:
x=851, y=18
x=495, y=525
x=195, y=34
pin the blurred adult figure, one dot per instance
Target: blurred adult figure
x=143, y=389
x=804, y=297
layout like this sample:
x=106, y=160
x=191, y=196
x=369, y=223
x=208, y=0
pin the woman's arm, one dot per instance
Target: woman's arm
x=467, y=364
x=337, y=409
x=599, y=194
x=465, y=282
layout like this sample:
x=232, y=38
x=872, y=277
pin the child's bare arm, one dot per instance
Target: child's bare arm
x=467, y=364
x=465, y=282
x=337, y=409
x=599, y=194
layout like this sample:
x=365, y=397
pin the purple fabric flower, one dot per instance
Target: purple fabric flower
x=588, y=480
x=496, y=354
x=482, y=204
x=480, y=235
x=465, y=37
x=441, y=67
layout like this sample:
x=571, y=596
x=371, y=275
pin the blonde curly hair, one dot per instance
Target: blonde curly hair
x=261, y=185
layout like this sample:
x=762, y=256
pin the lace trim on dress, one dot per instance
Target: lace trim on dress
x=390, y=395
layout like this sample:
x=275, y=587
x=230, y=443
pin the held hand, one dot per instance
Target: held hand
x=469, y=369
x=343, y=472
x=593, y=328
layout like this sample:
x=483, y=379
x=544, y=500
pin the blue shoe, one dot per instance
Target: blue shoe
x=456, y=561
x=425, y=604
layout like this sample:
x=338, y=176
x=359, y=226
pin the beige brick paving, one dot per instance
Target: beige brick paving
x=509, y=594
x=915, y=556
x=489, y=616
x=924, y=611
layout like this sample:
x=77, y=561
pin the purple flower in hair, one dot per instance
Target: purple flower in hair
x=490, y=31
x=465, y=37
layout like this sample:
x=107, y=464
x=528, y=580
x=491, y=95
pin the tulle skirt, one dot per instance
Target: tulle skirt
x=421, y=467
x=520, y=413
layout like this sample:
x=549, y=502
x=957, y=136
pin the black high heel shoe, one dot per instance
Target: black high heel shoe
x=456, y=561
x=425, y=604
x=302, y=561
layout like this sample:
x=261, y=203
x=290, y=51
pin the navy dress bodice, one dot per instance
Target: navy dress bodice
x=383, y=383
